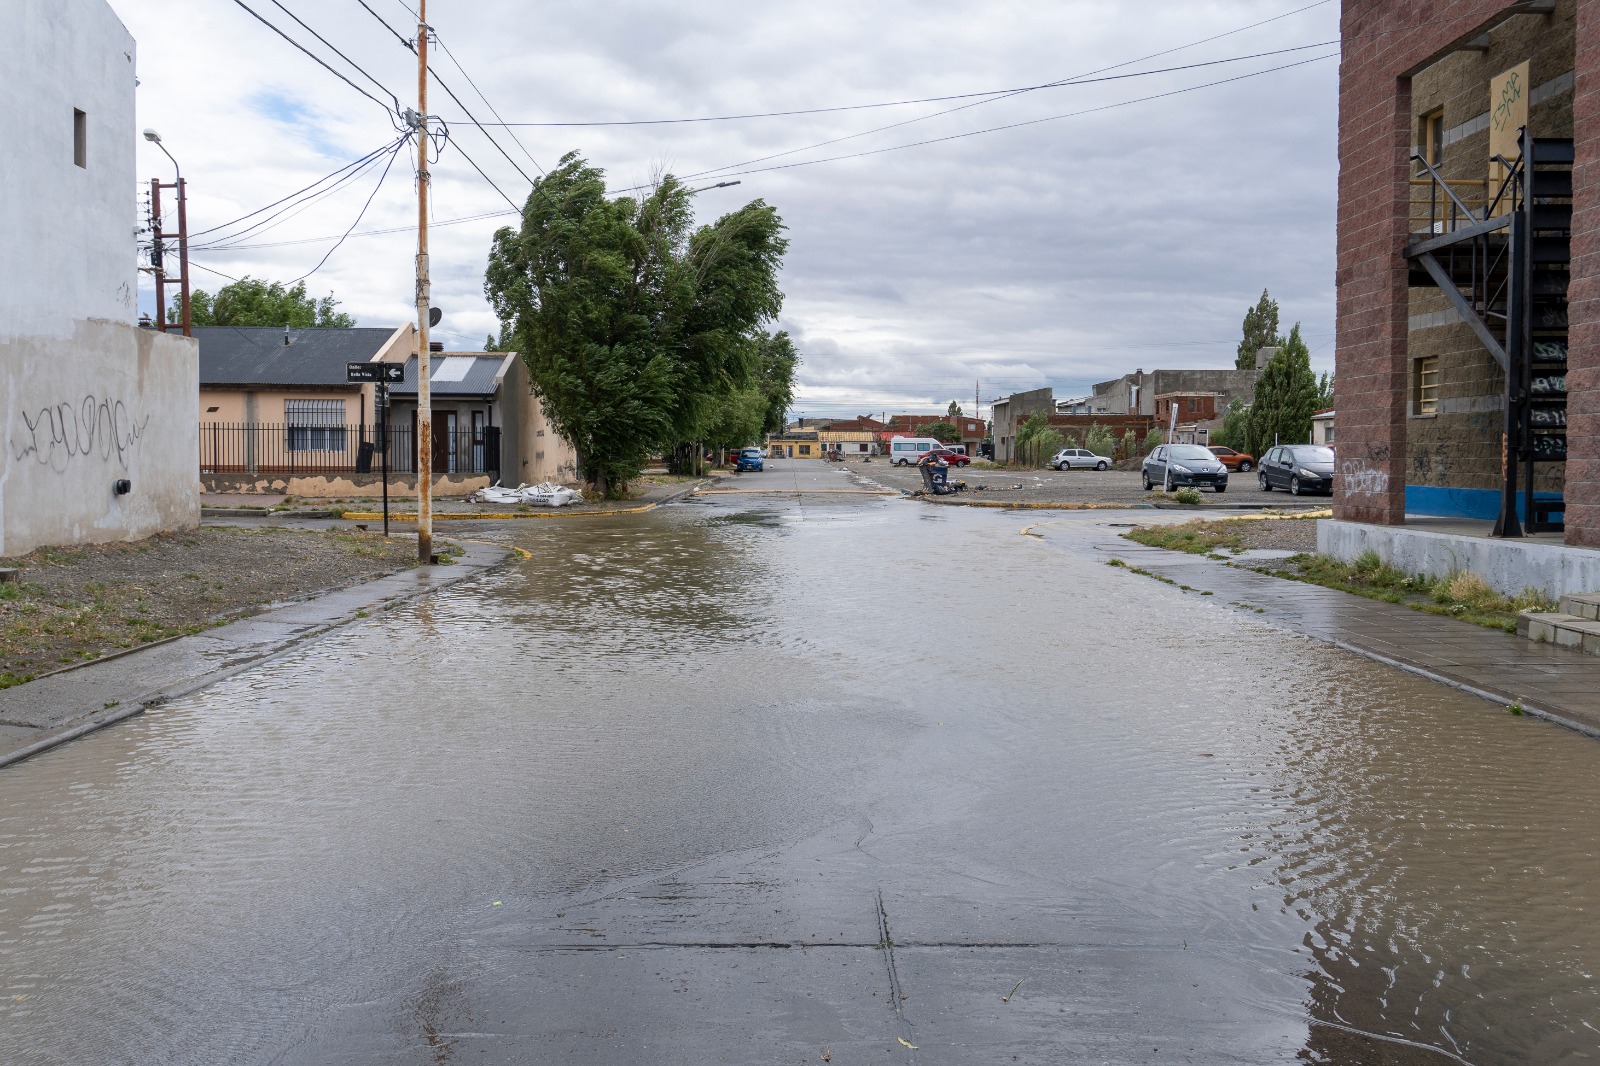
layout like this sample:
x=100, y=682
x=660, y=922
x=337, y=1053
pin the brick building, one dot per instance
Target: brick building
x=1468, y=272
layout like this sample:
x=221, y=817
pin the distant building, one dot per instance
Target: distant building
x=1009, y=413
x=1154, y=393
x=1322, y=427
x=98, y=413
x=973, y=430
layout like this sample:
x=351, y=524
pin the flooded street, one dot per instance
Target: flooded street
x=801, y=779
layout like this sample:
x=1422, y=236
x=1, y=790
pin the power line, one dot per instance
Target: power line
x=470, y=116
x=490, y=106
x=316, y=59
x=1008, y=126
x=488, y=179
x=297, y=203
x=1063, y=83
x=224, y=225
x=1007, y=96
x=361, y=214
x=329, y=45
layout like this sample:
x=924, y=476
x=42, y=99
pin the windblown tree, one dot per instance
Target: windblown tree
x=942, y=431
x=256, y=302
x=1286, y=398
x=1260, y=331
x=953, y=411
x=638, y=330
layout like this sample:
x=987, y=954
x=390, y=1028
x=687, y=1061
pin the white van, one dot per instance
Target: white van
x=906, y=451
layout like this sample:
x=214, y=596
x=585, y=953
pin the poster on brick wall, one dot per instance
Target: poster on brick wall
x=1508, y=114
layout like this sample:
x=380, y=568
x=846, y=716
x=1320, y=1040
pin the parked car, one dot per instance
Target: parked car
x=1234, y=460
x=749, y=459
x=1299, y=468
x=903, y=451
x=1184, y=464
x=1067, y=458
x=948, y=456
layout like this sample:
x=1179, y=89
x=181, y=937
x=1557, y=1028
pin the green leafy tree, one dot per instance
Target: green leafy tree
x=943, y=432
x=1153, y=439
x=638, y=330
x=953, y=411
x=255, y=302
x=778, y=362
x=1260, y=331
x=1036, y=441
x=1100, y=441
x=1286, y=398
x=1234, y=432
x=736, y=421
x=1325, y=392
x=1130, y=444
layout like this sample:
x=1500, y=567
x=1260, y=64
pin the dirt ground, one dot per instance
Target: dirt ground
x=75, y=604
x=1287, y=534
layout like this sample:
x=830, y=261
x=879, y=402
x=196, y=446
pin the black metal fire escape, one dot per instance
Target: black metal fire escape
x=1504, y=266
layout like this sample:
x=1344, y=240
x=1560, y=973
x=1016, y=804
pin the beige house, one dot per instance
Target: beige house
x=278, y=414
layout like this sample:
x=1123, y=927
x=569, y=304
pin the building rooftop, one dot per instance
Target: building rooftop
x=458, y=374
x=257, y=355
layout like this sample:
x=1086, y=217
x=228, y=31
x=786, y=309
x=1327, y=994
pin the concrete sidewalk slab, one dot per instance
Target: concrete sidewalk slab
x=43, y=713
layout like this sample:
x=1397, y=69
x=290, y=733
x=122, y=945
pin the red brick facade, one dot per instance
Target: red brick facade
x=1385, y=42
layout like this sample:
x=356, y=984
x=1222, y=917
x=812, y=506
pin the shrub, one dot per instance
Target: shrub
x=1190, y=495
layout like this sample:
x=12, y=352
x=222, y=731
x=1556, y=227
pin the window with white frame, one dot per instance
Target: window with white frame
x=315, y=425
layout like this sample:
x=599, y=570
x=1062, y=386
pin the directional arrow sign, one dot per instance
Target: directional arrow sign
x=389, y=372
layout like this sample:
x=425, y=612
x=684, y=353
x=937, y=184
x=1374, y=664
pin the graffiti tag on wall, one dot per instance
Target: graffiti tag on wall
x=58, y=434
x=1360, y=478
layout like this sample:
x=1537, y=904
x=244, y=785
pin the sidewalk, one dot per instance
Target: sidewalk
x=402, y=510
x=52, y=710
x=1550, y=682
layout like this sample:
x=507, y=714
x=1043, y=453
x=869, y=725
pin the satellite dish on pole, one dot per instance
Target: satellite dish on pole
x=434, y=315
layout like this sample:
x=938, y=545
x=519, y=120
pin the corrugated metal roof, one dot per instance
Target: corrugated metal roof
x=256, y=355
x=452, y=378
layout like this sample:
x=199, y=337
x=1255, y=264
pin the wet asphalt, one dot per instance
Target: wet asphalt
x=791, y=776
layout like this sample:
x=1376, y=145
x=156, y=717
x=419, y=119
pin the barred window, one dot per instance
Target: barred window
x=1425, y=386
x=315, y=425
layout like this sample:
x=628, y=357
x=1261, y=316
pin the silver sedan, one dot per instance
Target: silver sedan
x=1067, y=458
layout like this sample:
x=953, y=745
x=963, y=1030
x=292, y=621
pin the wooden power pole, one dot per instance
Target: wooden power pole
x=424, y=301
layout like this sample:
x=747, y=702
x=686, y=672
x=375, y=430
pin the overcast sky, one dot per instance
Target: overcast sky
x=1059, y=252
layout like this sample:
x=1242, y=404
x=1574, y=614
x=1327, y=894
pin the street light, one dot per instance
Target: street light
x=183, y=240
x=704, y=188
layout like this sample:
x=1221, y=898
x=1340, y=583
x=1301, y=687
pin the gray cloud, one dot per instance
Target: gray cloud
x=1062, y=252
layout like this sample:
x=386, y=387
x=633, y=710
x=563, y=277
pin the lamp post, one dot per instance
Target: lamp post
x=183, y=241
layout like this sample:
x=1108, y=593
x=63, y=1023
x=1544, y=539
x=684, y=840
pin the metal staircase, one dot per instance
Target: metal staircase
x=1503, y=263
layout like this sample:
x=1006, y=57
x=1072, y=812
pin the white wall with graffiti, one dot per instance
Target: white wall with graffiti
x=96, y=415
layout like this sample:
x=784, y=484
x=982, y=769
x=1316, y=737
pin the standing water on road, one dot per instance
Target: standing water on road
x=763, y=780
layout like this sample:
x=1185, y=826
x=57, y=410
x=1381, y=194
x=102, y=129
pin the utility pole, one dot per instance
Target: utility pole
x=424, y=300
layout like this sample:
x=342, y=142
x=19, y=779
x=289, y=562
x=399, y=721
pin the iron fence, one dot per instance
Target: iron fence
x=279, y=448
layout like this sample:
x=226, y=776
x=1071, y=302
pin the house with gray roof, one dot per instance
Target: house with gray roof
x=278, y=414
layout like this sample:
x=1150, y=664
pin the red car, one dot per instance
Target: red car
x=1235, y=460
x=948, y=456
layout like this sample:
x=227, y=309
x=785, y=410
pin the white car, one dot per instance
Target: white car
x=1067, y=458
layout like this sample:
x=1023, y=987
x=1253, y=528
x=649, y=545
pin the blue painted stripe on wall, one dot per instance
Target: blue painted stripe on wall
x=1464, y=503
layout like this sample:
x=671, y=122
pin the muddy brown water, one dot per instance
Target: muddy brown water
x=568, y=810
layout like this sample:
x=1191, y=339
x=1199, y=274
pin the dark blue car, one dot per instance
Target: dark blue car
x=749, y=459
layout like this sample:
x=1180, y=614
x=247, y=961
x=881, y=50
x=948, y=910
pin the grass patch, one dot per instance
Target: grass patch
x=1196, y=538
x=1461, y=595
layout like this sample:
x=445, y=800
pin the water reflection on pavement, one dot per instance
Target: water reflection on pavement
x=755, y=780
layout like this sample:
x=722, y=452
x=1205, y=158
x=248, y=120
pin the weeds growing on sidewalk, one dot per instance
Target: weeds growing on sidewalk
x=1462, y=595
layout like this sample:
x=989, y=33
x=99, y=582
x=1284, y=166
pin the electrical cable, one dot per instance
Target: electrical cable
x=329, y=45
x=1063, y=83
x=277, y=219
x=491, y=107
x=1007, y=96
x=224, y=225
x=359, y=216
x=488, y=179
x=316, y=59
x=451, y=93
x=1007, y=126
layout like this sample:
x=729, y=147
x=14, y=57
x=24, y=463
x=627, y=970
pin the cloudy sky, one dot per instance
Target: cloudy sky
x=1102, y=231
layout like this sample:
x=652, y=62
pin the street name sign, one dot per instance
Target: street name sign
x=392, y=373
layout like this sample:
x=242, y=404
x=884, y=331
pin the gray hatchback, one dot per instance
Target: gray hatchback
x=1184, y=465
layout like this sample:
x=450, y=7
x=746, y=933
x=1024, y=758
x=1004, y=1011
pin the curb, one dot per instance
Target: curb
x=491, y=556
x=497, y=516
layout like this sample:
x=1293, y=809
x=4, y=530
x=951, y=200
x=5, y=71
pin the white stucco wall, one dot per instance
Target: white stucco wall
x=75, y=223
x=86, y=398
x=110, y=402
